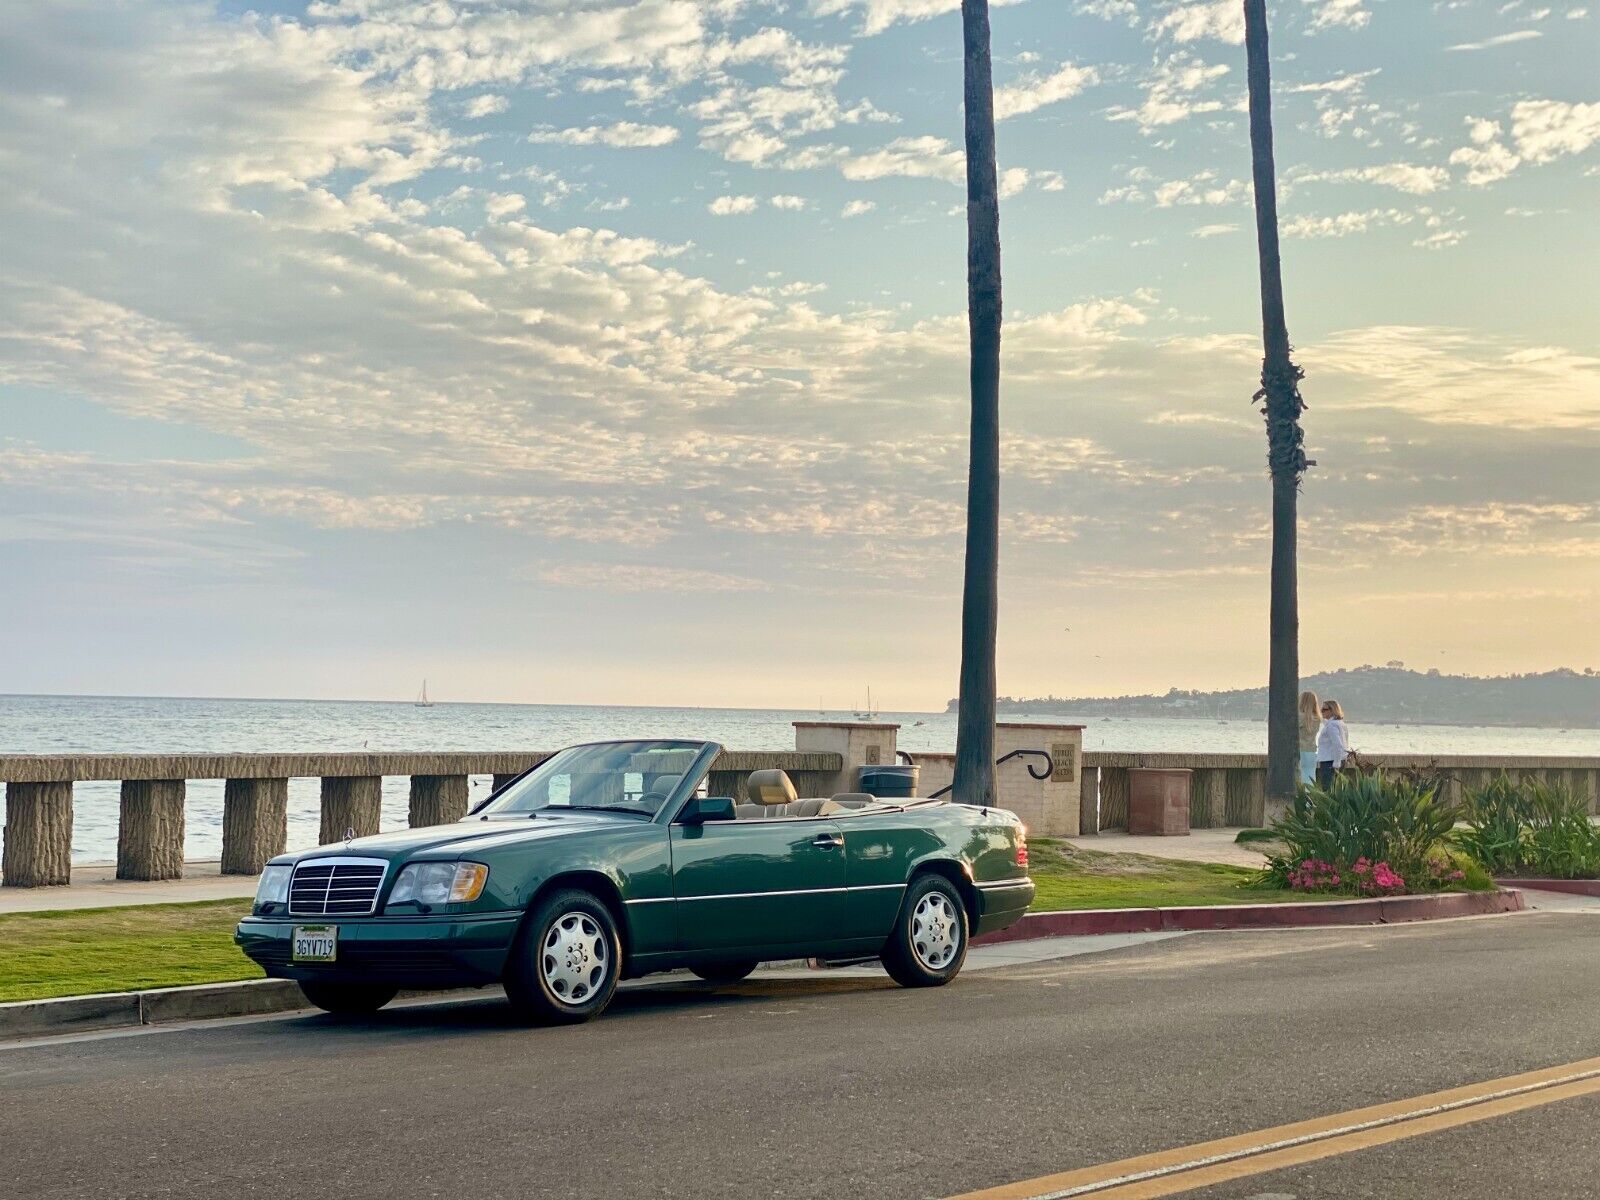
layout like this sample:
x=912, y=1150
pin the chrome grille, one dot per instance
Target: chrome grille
x=332, y=887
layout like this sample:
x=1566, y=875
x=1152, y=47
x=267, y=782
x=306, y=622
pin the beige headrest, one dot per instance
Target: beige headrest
x=770, y=787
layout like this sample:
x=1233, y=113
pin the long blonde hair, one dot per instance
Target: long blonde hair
x=1309, y=708
x=1338, y=713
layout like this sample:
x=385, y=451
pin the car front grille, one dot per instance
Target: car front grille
x=334, y=887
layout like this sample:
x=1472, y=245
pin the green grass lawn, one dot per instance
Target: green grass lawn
x=120, y=949
x=1068, y=877
x=168, y=945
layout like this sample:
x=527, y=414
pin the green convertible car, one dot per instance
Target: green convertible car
x=609, y=861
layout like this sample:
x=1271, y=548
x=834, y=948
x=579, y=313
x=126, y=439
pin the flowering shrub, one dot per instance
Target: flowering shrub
x=1367, y=835
x=1362, y=877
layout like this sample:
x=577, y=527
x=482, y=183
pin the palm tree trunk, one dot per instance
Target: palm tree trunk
x=1282, y=406
x=974, y=770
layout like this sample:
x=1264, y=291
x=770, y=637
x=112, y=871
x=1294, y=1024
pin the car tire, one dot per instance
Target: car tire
x=728, y=972
x=348, y=999
x=929, y=942
x=566, y=963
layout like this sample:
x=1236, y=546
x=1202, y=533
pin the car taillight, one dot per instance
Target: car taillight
x=1022, y=853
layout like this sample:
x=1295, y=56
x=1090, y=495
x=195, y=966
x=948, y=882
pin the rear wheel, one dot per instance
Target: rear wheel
x=348, y=999
x=929, y=942
x=566, y=963
x=729, y=972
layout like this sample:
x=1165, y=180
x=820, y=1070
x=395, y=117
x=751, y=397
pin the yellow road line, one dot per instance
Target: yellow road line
x=1184, y=1168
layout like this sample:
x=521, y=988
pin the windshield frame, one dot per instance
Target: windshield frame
x=705, y=753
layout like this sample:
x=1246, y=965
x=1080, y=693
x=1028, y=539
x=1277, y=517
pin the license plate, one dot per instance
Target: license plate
x=316, y=943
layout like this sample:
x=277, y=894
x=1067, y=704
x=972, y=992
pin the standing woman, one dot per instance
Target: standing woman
x=1333, y=743
x=1309, y=721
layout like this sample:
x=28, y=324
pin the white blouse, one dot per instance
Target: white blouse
x=1333, y=742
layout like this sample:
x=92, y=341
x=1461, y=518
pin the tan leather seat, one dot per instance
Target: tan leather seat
x=771, y=796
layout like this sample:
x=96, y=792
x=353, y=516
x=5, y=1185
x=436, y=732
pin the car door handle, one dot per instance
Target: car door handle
x=828, y=840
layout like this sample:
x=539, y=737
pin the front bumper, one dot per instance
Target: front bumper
x=437, y=951
x=1001, y=905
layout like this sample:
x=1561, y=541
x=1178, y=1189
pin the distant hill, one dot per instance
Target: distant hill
x=1562, y=699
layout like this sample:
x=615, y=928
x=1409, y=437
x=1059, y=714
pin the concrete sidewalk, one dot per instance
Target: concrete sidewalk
x=97, y=886
x=1201, y=845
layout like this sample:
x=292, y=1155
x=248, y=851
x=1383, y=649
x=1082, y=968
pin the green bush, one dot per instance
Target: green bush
x=1530, y=828
x=1498, y=818
x=1368, y=834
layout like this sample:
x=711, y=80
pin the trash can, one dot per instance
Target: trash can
x=890, y=783
x=1158, y=802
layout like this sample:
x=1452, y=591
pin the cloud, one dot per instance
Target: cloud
x=1219, y=19
x=857, y=208
x=643, y=577
x=1211, y=231
x=486, y=105
x=879, y=15
x=1344, y=224
x=1404, y=177
x=1337, y=14
x=789, y=203
x=623, y=134
x=1503, y=39
x=1541, y=132
x=1172, y=93
x=1033, y=91
x=727, y=206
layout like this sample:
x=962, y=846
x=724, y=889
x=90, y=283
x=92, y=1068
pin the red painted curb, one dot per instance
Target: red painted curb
x=1573, y=887
x=1090, y=921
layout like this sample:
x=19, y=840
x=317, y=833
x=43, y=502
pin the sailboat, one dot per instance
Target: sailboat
x=867, y=714
x=422, y=700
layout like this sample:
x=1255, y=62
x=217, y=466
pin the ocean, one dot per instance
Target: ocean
x=155, y=725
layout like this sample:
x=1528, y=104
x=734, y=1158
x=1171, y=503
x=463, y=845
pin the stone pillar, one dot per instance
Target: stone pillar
x=437, y=799
x=255, y=824
x=350, y=802
x=1207, y=798
x=500, y=780
x=1088, y=801
x=859, y=743
x=1048, y=806
x=1114, y=798
x=1247, y=796
x=38, y=850
x=150, y=832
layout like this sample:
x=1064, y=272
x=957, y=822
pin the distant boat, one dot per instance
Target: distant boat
x=422, y=700
x=867, y=714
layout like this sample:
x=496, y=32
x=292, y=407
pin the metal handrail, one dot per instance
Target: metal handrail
x=1049, y=768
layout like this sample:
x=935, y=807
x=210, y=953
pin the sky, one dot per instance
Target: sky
x=614, y=351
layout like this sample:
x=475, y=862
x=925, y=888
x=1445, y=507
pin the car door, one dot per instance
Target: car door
x=758, y=883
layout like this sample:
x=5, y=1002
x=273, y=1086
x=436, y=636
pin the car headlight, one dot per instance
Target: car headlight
x=439, y=883
x=274, y=885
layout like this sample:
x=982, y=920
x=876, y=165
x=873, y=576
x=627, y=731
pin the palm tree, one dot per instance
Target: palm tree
x=974, y=771
x=1282, y=406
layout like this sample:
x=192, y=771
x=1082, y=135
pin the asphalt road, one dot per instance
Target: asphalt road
x=825, y=1087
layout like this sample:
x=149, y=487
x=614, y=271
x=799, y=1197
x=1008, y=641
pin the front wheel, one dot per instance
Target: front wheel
x=929, y=942
x=348, y=999
x=730, y=972
x=566, y=963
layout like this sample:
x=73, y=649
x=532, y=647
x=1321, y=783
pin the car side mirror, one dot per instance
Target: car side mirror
x=701, y=809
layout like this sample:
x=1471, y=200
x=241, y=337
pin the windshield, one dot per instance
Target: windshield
x=625, y=777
